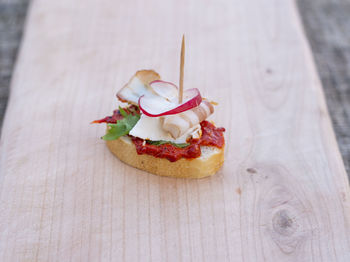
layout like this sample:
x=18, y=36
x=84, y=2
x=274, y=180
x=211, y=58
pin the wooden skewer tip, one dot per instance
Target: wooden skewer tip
x=182, y=63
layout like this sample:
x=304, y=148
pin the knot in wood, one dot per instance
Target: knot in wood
x=283, y=224
x=252, y=170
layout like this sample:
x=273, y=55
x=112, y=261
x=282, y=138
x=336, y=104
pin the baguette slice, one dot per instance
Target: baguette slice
x=207, y=164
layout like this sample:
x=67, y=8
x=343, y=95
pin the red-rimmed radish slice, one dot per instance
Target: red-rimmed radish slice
x=155, y=106
x=165, y=89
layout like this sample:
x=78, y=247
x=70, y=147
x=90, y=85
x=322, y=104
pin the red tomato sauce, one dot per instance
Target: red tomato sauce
x=211, y=136
x=110, y=119
x=117, y=116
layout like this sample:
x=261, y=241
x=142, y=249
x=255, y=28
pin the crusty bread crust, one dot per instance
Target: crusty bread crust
x=147, y=76
x=207, y=164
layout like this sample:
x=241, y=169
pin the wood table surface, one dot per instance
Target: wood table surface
x=282, y=195
x=326, y=24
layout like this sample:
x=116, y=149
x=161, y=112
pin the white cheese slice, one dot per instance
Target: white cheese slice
x=150, y=128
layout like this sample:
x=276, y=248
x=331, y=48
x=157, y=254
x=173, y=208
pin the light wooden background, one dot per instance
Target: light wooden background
x=282, y=194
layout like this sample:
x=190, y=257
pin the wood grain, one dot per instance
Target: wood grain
x=282, y=194
x=12, y=14
x=327, y=24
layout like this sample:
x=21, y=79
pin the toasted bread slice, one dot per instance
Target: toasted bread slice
x=207, y=164
x=147, y=76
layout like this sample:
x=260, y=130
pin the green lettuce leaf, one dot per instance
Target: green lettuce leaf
x=122, y=127
x=162, y=142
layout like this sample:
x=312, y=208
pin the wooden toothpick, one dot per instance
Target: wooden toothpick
x=182, y=63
